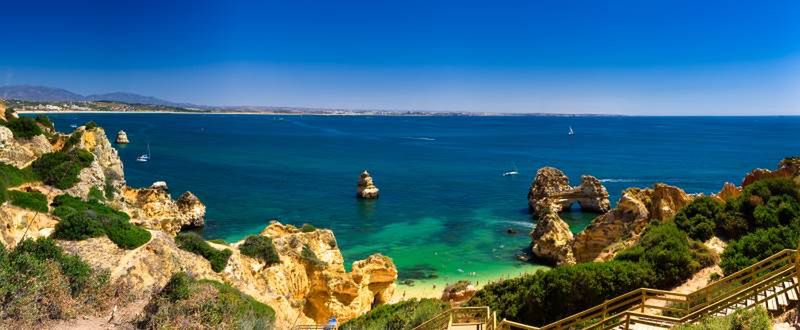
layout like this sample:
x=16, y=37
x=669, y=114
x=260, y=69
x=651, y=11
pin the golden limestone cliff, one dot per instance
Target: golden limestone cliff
x=301, y=289
x=608, y=233
x=621, y=227
x=550, y=194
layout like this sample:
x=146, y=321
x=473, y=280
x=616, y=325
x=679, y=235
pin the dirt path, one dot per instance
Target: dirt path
x=123, y=319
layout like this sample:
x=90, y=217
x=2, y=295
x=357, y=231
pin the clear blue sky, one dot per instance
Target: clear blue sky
x=630, y=57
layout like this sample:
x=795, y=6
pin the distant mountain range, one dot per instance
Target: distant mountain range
x=51, y=94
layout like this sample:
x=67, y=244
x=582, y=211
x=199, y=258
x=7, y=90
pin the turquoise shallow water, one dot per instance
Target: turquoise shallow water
x=444, y=207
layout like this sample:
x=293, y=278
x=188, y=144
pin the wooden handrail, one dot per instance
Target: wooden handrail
x=630, y=308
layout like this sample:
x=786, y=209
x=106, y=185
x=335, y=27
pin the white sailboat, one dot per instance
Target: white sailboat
x=145, y=157
x=571, y=132
x=512, y=173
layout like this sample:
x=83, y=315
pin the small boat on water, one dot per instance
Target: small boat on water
x=512, y=172
x=145, y=157
x=571, y=132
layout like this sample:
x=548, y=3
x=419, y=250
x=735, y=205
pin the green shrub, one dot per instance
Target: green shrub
x=668, y=251
x=549, y=295
x=73, y=140
x=699, y=219
x=45, y=121
x=9, y=113
x=13, y=176
x=90, y=125
x=406, y=314
x=743, y=319
x=756, y=246
x=309, y=256
x=307, y=228
x=178, y=287
x=204, y=304
x=78, y=227
x=60, y=169
x=261, y=248
x=96, y=195
x=24, y=127
x=81, y=220
x=32, y=200
x=39, y=282
x=194, y=243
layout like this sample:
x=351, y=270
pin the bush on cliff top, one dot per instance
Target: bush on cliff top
x=32, y=200
x=81, y=220
x=261, y=248
x=60, y=169
x=188, y=303
x=23, y=127
x=195, y=244
x=668, y=251
x=39, y=282
x=404, y=315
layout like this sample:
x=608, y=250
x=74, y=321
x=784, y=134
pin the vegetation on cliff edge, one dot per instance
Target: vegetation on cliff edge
x=194, y=243
x=39, y=282
x=81, y=220
x=189, y=303
x=32, y=200
x=404, y=315
x=60, y=169
x=261, y=248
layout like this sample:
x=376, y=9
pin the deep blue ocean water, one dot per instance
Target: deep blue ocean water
x=444, y=206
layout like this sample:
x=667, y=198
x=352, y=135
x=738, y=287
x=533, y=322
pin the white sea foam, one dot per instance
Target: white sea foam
x=619, y=180
x=422, y=138
x=520, y=223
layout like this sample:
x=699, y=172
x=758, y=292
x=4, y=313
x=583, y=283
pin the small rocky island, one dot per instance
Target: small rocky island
x=122, y=137
x=366, y=188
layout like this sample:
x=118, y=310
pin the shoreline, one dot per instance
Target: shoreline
x=353, y=114
x=433, y=288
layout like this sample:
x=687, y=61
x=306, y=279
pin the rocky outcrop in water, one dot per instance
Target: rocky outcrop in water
x=550, y=192
x=122, y=137
x=552, y=240
x=622, y=226
x=154, y=208
x=366, y=187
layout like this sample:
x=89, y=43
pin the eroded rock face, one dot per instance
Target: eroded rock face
x=622, y=226
x=550, y=191
x=105, y=170
x=155, y=209
x=729, y=191
x=552, y=240
x=298, y=290
x=458, y=292
x=366, y=188
x=16, y=223
x=21, y=152
x=788, y=167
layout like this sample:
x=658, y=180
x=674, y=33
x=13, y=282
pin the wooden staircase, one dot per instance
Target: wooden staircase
x=772, y=283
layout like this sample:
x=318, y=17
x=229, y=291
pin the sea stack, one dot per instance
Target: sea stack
x=366, y=188
x=122, y=137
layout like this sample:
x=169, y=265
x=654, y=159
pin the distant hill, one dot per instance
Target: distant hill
x=51, y=94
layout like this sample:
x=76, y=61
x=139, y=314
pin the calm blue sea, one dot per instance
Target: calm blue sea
x=444, y=206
